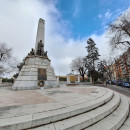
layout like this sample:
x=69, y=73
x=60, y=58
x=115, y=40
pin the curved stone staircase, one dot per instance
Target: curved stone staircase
x=108, y=116
x=108, y=112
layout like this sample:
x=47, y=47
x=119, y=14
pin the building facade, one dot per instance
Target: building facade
x=122, y=66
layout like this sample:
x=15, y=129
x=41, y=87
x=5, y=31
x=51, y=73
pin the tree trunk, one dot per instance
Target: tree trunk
x=83, y=78
x=93, y=80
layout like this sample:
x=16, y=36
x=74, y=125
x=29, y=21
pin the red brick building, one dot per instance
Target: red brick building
x=123, y=66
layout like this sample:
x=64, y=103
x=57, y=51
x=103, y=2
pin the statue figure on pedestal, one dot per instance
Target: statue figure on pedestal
x=32, y=52
x=45, y=54
x=40, y=50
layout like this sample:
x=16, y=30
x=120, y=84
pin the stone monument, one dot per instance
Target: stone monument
x=36, y=71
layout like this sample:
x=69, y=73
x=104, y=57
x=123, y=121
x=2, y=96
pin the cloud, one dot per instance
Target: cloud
x=102, y=44
x=76, y=8
x=99, y=16
x=105, y=17
x=19, y=19
x=18, y=24
x=108, y=14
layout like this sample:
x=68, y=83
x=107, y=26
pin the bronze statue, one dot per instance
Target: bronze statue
x=40, y=50
x=32, y=52
x=45, y=54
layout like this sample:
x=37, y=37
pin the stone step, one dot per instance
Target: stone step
x=41, y=118
x=86, y=119
x=126, y=125
x=115, y=120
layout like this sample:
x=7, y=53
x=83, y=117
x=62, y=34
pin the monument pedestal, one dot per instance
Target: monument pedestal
x=36, y=68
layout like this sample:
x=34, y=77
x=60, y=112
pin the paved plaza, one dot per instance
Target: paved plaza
x=48, y=99
x=62, y=108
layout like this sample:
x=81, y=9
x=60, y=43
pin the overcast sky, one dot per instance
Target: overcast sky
x=68, y=25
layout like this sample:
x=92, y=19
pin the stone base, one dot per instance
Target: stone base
x=25, y=85
x=28, y=76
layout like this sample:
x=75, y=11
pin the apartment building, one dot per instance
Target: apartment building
x=122, y=66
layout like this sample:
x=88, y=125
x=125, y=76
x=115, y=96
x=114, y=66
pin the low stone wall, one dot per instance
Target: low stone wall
x=6, y=84
x=85, y=83
x=62, y=82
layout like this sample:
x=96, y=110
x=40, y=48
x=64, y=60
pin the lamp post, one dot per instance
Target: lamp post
x=72, y=71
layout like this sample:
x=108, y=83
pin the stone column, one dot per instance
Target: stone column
x=15, y=79
x=0, y=80
x=57, y=78
x=68, y=79
x=78, y=78
x=40, y=33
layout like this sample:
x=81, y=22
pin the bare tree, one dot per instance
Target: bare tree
x=78, y=65
x=2, y=70
x=106, y=67
x=5, y=52
x=12, y=64
x=8, y=63
x=119, y=30
x=20, y=65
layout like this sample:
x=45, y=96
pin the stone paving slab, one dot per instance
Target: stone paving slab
x=18, y=98
x=15, y=103
x=31, y=103
x=126, y=125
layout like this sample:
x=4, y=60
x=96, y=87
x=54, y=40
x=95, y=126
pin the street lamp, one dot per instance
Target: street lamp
x=72, y=71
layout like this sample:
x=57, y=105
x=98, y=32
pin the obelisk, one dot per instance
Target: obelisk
x=40, y=33
x=37, y=71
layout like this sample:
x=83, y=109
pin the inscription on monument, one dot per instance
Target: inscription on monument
x=42, y=74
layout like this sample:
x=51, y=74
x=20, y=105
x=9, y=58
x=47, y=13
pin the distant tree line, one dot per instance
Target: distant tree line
x=119, y=34
x=11, y=80
x=88, y=63
x=91, y=64
x=62, y=79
